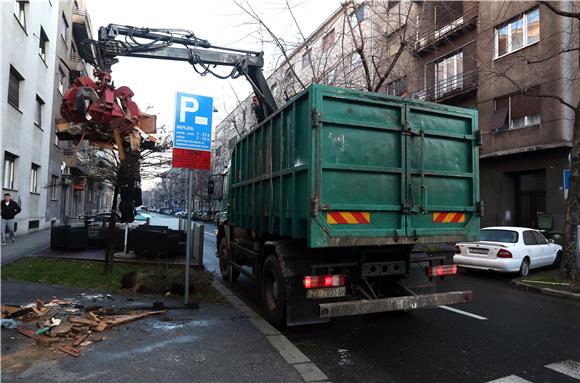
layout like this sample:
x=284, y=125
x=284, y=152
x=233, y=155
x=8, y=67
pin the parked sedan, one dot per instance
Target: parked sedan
x=508, y=249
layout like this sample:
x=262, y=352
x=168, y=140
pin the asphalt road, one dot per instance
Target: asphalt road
x=504, y=333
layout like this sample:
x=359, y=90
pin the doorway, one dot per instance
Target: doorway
x=530, y=198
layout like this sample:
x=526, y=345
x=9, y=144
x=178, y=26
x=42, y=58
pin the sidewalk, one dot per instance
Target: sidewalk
x=25, y=245
x=214, y=343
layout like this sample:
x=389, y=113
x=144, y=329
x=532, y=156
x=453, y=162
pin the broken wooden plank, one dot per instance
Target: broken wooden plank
x=91, y=316
x=62, y=328
x=67, y=349
x=20, y=313
x=101, y=327
x=80, y=339
x=27, y=332
x=115, y=320
x=82, y=321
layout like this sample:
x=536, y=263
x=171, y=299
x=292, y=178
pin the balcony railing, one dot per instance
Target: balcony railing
x=79, y=11
x=75, y=58
x=430, y=34
x=450, y=87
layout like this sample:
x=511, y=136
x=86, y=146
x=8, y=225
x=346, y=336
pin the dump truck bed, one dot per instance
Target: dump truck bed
x=339, y=167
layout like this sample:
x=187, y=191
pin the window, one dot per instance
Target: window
x=288, y=75
x=517, y=111
x=355, y=61
x=54, y=188
x=397, y=87
x=328, y=41
x=61, y=78
x=357, y=16
x=20, y=12
x=306, y=59
x=232, y=142
x=529, y=238
x=494, y=235
x=43, y=44
x=64, y=28
x=540, y=239
x=9, y=161
x=34, y=178
x=518, y=33
x=449, y=74
x=14, y=87
x=38, y=111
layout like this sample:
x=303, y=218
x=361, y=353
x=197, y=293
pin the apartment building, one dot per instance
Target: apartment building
x=503, y=58
x=74, y=189
x=27, y=69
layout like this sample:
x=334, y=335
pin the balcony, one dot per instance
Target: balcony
x=449, y=88
x=81, y=24
x=432, y=33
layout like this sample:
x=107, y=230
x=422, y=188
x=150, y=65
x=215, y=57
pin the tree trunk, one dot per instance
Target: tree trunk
x=570, y=252
x=109, y=258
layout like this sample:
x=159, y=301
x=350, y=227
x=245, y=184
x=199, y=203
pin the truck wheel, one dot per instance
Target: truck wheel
x=224, y=257
x=273, y=291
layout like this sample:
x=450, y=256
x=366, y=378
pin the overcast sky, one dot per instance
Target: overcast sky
x=221, y=22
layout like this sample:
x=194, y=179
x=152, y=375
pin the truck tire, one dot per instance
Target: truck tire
x=224, y=258
x=273, y=291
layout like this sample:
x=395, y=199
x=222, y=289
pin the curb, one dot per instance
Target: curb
x=291, y=354
x=546, y=290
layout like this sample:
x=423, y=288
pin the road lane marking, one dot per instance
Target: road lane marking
x=510, y=379
x=462, y=312
x=212, y=234
x=568, y=367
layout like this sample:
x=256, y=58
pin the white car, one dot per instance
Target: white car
x=508, y=249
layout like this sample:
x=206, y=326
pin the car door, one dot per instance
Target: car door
x=532, y=248
x=545, y=254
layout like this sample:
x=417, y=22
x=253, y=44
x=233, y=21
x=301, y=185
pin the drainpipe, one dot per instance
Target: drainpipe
x=567, y=68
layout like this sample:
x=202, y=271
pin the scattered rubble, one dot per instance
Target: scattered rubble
x=67, y=324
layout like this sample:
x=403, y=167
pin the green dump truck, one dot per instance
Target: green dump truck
x=328, y=196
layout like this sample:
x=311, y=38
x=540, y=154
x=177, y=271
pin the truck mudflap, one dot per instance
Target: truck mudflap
x=411, y=302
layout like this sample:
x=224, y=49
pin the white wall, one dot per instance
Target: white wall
x=20, y=136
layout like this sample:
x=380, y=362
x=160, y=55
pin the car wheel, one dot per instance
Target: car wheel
x=525, y=267
x=558, y=259
x=273, y=291
x=224, y=256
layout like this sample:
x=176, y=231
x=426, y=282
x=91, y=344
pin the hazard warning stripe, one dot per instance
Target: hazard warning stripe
x=448, y=217
x=348, y=218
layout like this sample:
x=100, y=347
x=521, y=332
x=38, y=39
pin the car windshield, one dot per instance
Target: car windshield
x=498, y=236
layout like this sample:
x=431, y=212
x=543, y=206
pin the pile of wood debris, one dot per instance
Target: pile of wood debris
x=67, y=325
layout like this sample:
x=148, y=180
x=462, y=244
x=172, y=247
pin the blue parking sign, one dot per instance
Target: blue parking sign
x=192, y=122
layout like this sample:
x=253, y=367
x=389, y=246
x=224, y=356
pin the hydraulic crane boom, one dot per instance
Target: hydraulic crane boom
x=159, y=44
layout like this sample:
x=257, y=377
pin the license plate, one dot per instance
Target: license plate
x=475, y=250
x=327, y=292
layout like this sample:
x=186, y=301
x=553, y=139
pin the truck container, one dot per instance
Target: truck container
x=340, y=184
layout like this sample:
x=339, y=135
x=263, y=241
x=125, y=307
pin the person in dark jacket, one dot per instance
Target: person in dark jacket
x=9, y=211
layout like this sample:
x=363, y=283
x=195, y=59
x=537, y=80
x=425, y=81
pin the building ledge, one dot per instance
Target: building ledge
x=526, y=149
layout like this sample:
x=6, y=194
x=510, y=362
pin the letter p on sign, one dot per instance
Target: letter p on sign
x=188, y=104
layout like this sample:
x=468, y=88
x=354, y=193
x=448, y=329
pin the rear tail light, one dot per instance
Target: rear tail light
x=316, y=281
x=457, y=249
x=438, y=271
x=503, y=253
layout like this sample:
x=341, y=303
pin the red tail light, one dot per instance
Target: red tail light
x=503, y=253
x=457, y=249
x=316, y=281
x=438, y=271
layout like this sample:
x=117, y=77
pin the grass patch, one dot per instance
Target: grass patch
x=553, y=281
x=89, y=274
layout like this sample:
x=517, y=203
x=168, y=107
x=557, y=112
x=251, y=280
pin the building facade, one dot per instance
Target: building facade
x=512, y=60
x=27, y=69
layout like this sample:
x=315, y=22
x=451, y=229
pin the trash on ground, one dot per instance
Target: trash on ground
x=66, y=325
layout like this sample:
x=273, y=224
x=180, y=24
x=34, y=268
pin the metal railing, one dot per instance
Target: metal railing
x=432, y=33
x=450, y=87
x=79, y=11
x=75, y=58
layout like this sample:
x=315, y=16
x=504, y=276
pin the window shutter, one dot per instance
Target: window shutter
x=501, y=113
x=531, y=104
x=517, y=106
x=13, y=88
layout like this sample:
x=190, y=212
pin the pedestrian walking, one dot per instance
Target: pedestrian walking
x=9, y=211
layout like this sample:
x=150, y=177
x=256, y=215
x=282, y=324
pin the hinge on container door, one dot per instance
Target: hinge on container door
x=315, y=119
x=314, y=204
x=479, y=208
x=478, y=139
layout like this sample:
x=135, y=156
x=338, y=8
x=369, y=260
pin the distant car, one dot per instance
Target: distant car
x=142, y=216
x=508, y=249
x=220, y=217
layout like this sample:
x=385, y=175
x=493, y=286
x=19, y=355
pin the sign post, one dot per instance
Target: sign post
x=191, y=150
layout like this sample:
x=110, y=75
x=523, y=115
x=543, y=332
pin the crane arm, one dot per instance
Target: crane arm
x=160, y=44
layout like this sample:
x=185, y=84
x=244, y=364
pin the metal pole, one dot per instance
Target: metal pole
x=126, y=236
x=189, y=244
